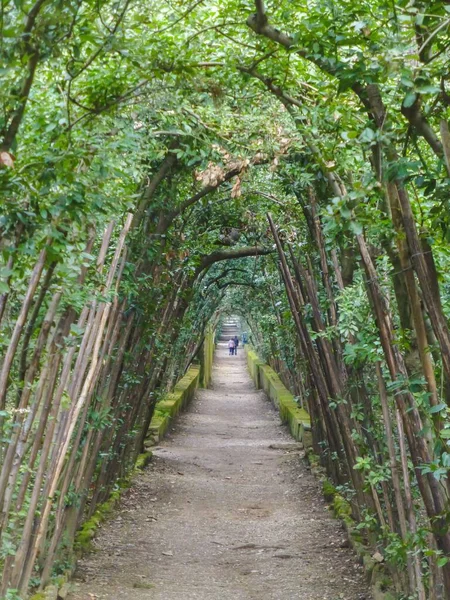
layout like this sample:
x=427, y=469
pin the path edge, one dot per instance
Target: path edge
x=298, y=422
x=170, y=405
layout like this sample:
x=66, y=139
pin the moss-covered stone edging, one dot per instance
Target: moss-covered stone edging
x=264, y=377
x=165, y=410
x=299, y=423
x=170, y=406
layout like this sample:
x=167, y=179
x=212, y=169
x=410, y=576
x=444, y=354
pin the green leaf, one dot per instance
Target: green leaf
x=438, y=408
x=428, y=89
x=409, y=99
x=356, y=227
x=368, y=135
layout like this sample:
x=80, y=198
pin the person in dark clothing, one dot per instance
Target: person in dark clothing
x=236, y=343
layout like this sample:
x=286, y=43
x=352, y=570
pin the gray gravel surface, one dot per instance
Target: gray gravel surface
x=219, y=514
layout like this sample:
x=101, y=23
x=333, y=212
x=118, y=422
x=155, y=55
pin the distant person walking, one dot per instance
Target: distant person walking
x=231, y=347
x=236, y=344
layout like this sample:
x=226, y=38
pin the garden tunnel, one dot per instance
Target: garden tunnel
x=165, y=164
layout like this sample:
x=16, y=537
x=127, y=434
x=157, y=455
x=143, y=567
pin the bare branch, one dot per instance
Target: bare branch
x=32, y=16
x=269, y=197
x=276, y=91
x=417, y=119
x=224, y=274
x=261, y=18
x=14, y=125
x=260, y=24
x=219, y=255
x=185, y=14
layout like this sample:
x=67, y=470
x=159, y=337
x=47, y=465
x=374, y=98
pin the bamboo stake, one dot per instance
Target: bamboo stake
x=445, y=135
x=20, y=322
x=22, y=570
x=409, y=501
x=12, y=459
x=323, y=391
x=80, y=471
x=394, y=473
x=429, y=487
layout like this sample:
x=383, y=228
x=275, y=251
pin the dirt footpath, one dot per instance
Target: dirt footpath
x=221, y=515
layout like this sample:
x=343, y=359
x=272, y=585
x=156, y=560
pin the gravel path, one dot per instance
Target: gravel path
x=220, y=515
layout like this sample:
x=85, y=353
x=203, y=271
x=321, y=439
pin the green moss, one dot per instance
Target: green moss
x=38, y=596
x=143, y=460
x=357, y=537
x=84, y=538
x=168, y=407
x=160, y=414
x=342, y=508
x=328, y=489
x=313, y=459
x=61, y=580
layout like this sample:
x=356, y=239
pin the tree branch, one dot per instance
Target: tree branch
x=16, y=120
x=96, y=53
x=31, y=19
x=260, y=16
x=207, y=189
x=165, y=167
x=10, y=132
x=276, y=91
x=417, y=119
x=209, y=259
x=226, y=284
x=185, y=14
x=224, y=274
x=269, y=197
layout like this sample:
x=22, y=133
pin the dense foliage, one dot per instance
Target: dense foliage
x=163, y=162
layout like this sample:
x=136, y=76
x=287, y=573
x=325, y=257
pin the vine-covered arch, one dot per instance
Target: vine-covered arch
x=161, y=163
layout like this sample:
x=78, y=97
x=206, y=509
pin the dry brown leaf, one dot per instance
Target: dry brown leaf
x=212, y=175
x=236, y=191
x=6, y=159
